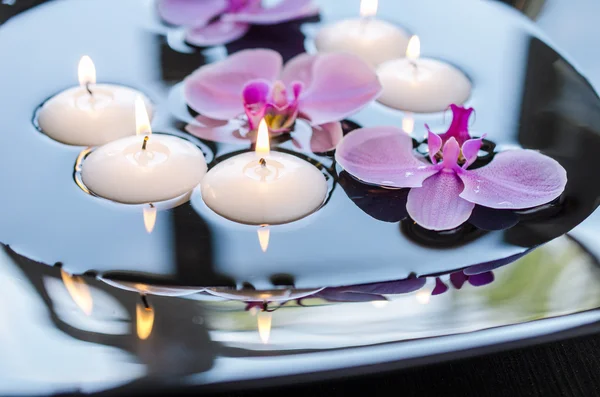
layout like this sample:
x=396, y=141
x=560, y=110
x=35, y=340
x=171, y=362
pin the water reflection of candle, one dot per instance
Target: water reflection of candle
x=149, y=217
x=264, y=234
x=144, y=319
x=143, y=169
x=421, y=85
x=79, y=291
x=373, y=40
x=91, y=114
x=264, y=320
x=264, y=187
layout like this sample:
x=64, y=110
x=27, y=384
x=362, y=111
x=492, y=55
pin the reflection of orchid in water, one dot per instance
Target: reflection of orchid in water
x=215, y=22
x=255, y=84
x=458, y=279
x=444, y=192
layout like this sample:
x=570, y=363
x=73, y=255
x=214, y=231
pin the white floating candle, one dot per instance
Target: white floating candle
x=264, y=187
x=421, y=85
x=91, y=114
x=373, y=40
x=143, y=169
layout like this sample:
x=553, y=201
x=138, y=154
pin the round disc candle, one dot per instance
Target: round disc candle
x=143, y=169
x=373, y=40
x=421, y=85
x=264, y=187
x=91, y=114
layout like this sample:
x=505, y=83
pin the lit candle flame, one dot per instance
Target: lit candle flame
x=368, y=8
x=264, y=326
x=142, y=121
x=263, y=237
x=79, y=291
x=408, y=123
x=144, y=320
x=423, y=296
x=149, y=218
x=86, y=71
x=263, y=148
x=413, y=51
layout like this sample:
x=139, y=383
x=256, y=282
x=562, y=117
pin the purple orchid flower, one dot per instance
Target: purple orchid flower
x=444, y=193
x=322, y=89
x=215, y=22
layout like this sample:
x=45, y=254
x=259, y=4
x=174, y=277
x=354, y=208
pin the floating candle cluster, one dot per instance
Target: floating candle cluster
x=363, y=60
x=410, y=83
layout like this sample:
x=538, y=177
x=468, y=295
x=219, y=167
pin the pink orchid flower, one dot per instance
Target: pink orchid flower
x=322, y=89
x=215, y=22
x=444, y=192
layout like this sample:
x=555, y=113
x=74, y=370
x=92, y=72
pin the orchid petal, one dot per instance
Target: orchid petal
x=337, y=92
x=255, y=97
x=451, y=153
x=299, y=69
x=217, y=130
x=434, y=143
x=215, y=90
x=470, y=149
x=439, y=288
x=515, y=179
x=437, y=205
x=216, y=33
x=458, y=279
x=382, y=156
x=186, y=12
x=459, y=128
x=284, y=11
x=477, y=280
x=326, y=137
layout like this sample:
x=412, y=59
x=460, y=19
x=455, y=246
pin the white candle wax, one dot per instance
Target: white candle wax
x=77, y=118
x=422, y=85
x=373, y=40
x=123, y=171
x=285, y=189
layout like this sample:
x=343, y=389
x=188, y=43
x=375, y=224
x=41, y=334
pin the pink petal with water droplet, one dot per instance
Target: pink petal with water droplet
x=382, y=156
x=341, y=85
x=284, y=11
x=215, y=90
x=186, y=12
x=437, y=205
x=326, y=137
x=515, y=179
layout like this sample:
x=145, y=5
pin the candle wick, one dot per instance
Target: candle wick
x=145, y=142
x=145, y=301
x=262, y=162
x=87, y=87
x=415, y=69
